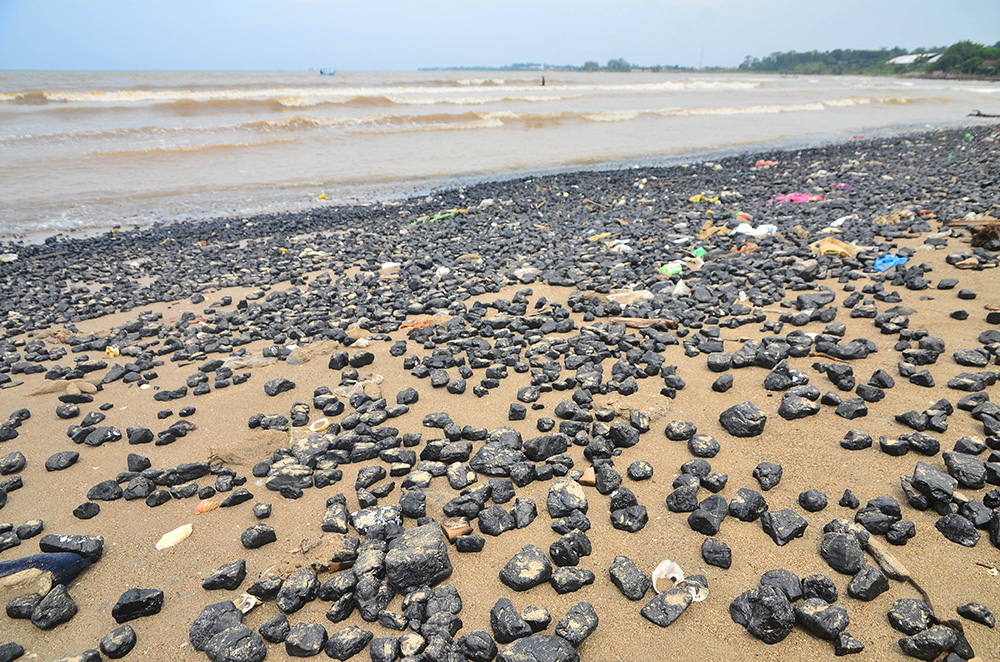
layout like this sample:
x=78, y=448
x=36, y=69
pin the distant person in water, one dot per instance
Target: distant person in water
x=543, y=81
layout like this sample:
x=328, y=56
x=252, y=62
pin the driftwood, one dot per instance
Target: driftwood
x=643, y=323
x=979, y=113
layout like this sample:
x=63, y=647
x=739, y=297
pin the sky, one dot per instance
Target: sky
x=408, y=34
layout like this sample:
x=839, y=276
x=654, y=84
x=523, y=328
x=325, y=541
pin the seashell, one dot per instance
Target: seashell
x=205, y=506
x=320, y=425
x=667, y=570
x=696, y=586
x=171, y=538
x=112, y=351
x=246, y=602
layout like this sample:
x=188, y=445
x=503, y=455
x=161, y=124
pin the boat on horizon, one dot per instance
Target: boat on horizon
x=327, y=72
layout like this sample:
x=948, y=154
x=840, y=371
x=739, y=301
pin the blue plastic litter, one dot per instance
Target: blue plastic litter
x=887, y=262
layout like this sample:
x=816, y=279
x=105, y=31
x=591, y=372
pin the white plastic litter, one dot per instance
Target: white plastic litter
x=760, y=231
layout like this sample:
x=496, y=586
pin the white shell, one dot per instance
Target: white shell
x=697, y=591
x=246, y=602
x=667, y=570
x=171, y=538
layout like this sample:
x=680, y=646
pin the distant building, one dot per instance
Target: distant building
x=915, y=58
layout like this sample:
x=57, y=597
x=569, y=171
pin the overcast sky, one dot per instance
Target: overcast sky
x=409, y=34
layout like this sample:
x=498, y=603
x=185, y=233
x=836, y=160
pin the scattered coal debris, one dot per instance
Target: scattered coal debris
x=448, y=298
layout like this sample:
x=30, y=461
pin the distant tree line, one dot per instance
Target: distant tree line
x=965, y=57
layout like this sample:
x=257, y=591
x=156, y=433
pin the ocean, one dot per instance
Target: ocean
x=82, y=152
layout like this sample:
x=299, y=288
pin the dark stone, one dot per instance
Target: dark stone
x=119, y=642
x=477, y=646
x=765, y=613
x=929, y=644
x=107, y=490
x=630, y=580
x=577, y=624
x=506, y=623
x=785, y=581
x=570, y=579
x=783, y=525
x=347, y=643
x=136, y=603
x=228, y=576
x=978, y=613
x=819, y=586
x=822, y=619
x=707, y=517
x=258, y=535
x=277, y=386
x=62, y=460
x=842, y=552
x=91, y=547
x=747, y=505
x=640, y=470
x=666, y=607
x=845, y=644
x=717, y=553
x=526, y=569
x=768, y=475
x=298, y=589
x=236, y=644
x=539, y=648
x=856, y=440
x=703, y=445
x=564, y=498
x=812, y=500
x=213, y=619
x=56, y=607
x=868, y=584
x=958, y=529
x=87, y=510
x=417, y=557
x=910, y=615
x=305, y=639
x=743, y=420
x=849, y=500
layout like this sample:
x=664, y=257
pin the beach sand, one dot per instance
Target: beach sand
x=808, y=450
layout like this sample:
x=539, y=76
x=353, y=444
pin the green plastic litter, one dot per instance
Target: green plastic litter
x=698, y=252
x=670, y=269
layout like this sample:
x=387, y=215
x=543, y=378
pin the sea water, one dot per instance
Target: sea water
x=86, y=151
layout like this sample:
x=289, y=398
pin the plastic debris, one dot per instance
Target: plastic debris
x=699, y=252
x=8, y=257
x=838, y=186
x=672, y=268
x=764, y=230
x=831, y=246
x=796, y=197
x=627, y=297
x=701, y=197
x=887, y=262
x=843, y=219
x=766, y=163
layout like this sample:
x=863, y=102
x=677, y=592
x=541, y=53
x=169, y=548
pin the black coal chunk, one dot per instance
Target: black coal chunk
x=666, y=607
x=822, y=619
x=765, y=612
x=119, y=642
x=783, y=526
x=630, y=580
x=868, y=584
x=56, y=607
x=526, y=569
x=743, y=420
x=136, y=603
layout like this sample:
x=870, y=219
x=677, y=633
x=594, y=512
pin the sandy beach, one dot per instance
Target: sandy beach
x=530, y=282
